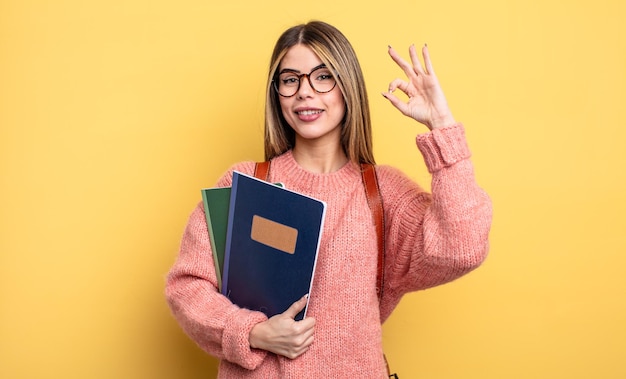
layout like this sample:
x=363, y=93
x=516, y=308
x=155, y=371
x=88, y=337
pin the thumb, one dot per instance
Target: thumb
x=297, y=307
x=396, y=102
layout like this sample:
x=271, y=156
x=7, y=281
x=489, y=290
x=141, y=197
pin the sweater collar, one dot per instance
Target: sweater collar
x=289, y=169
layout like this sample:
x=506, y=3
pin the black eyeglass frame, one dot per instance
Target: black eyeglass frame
x=300, y=76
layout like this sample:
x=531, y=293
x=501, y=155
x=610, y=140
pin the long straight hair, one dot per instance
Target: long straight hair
x=334, y=49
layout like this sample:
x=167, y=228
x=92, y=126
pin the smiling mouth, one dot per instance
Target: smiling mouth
x=309, y=112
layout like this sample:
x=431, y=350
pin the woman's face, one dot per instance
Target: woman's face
x=315, y=117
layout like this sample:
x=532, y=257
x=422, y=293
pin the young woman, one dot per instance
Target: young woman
x=317, y=132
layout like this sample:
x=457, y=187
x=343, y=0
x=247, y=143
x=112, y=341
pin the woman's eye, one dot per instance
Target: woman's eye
x=290, y=80
x=324, y=76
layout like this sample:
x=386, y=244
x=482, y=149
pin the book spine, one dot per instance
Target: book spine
x=229, y=235
x=207, y=213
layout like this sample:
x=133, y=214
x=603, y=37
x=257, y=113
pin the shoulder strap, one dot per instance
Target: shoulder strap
x=374, y=200
x=262, y=170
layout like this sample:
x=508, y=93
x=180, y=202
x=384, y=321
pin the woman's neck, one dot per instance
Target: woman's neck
x=321, y=159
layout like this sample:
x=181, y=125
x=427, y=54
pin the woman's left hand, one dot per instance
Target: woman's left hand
x=427, y=103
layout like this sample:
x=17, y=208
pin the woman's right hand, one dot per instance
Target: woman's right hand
x=282, y=335
x=427, y=103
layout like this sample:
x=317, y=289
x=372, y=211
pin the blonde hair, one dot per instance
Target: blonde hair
x=334, y=49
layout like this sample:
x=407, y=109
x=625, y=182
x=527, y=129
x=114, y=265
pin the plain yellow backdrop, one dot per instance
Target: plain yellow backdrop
x=113, y=115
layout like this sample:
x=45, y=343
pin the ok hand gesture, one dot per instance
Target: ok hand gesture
x=427, y=103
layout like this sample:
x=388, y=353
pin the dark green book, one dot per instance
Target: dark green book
x=216, y=202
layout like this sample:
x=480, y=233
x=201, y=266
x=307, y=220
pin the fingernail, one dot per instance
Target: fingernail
x=389, y=46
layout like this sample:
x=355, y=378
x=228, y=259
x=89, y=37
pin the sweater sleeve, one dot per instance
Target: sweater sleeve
x=209, y=318
x=434, y=238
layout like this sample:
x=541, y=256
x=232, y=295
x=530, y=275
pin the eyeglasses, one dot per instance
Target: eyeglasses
x=321, y=79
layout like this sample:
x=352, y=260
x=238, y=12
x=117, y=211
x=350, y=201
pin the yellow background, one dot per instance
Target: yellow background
x=114, y=114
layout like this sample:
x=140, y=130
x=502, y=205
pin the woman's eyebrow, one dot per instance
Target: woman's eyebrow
x=298, y=71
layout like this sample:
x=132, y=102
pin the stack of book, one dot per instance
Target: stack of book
x=265, y=240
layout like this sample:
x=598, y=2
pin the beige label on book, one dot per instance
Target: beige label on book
x=274, y=234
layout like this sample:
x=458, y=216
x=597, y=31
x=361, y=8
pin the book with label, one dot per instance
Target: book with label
x=272, y=243
x=216, y=201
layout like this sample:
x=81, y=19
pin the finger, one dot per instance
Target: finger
x=399, y=84
x=304, y=340
x=396, y=57
x=396, y=102
x=427, y=61
x=297, y=351
x=307, y=338
x=417, y=64
x=404, y=65
x=306, y=326
x=296, y=307
x=307, y=342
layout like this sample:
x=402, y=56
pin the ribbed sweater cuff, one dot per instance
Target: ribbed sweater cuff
x=443, y=147
x=235, y=340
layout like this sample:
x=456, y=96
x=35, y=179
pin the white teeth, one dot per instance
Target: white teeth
x=309, y=112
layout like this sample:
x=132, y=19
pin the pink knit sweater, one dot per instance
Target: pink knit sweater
x=430, y=240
